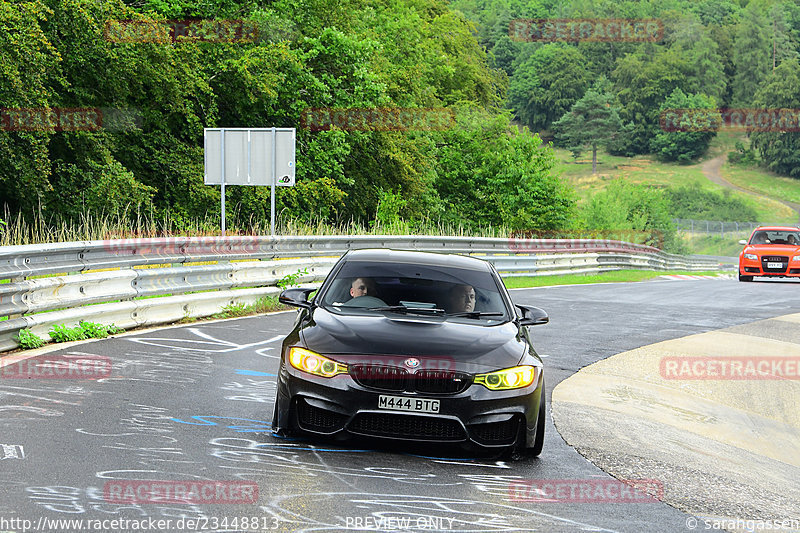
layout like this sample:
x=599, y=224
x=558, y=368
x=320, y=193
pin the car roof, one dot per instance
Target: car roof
x=777, y=228
x=380, y=255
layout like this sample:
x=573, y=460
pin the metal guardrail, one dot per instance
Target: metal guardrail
x=139, y=282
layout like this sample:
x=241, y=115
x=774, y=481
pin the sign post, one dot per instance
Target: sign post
x=249, y=156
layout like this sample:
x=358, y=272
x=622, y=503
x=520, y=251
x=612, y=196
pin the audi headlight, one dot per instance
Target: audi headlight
x=510, y=378
x=754, y=257
x=314, y=363
x=796, y=258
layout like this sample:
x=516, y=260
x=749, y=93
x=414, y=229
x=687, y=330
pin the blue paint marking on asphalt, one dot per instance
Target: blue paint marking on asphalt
x=241, y=372
x=260, y=426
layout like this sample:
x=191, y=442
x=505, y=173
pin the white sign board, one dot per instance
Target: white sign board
x=248, y=156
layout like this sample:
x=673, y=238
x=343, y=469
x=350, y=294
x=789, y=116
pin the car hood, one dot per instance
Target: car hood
x=772, y=249
x=392, y=338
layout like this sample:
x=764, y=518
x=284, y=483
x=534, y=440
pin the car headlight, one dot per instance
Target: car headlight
x=796, y=258
x=314, y=363
x=510, y=378
x=754, y=257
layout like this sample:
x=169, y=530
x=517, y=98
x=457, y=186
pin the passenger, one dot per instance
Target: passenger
x=461, y=299
x=362, y=287
x=791, y=240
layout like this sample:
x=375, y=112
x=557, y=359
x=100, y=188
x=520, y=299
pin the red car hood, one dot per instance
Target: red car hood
x=772, y=249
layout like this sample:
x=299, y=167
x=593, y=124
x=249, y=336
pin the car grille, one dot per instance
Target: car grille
x=390, y=378
x=317, y=419
x=441, y=382
x=495, y=432
x=774, y=259
x=406, y=426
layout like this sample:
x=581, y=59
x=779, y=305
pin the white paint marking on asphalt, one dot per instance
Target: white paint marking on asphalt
x=11, y=451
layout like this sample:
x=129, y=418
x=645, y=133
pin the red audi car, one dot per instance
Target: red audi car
x=772, y=251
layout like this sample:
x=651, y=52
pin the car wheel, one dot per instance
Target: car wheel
x=745, y=278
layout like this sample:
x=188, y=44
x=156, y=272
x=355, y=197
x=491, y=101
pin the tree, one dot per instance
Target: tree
x=693, y=43
x=780, y=150
x=752, y=55
x=642, y=83
x=683, y=146
x=503, y=54
x=592, y=121
x=546, y=85
x=500, y=176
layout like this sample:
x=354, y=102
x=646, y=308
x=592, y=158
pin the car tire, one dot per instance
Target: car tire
x=745, y=278
x=519, y=450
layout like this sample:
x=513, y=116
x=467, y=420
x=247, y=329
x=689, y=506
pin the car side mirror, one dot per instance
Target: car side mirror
x=296, y=297
x=743, y=242
x=532, y=316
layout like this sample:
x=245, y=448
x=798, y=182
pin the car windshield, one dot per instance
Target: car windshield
x=792, y=238
x=419, y=289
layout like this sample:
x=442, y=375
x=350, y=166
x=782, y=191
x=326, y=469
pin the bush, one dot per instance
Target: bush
x=624, y=207
x=683, y=146
x=84, y=330
x=697, y=203
x=742, y=156
x=27, y=340
x=62, y=333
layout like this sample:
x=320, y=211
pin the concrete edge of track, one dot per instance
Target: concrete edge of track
x=721, y=442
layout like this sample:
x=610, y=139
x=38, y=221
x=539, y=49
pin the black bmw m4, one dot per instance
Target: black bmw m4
x=412, y=346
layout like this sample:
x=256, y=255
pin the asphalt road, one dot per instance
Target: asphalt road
x=194, y=403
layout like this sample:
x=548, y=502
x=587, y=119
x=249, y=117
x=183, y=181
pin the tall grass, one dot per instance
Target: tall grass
x=89, y=227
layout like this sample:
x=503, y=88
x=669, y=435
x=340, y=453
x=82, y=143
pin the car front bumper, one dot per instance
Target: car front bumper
x=340, y=407
x=754, y=267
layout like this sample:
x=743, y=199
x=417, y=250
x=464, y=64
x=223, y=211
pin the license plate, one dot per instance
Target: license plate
x=774, y=265
x=400, y=403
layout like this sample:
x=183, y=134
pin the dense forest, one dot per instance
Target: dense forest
x=484, y=169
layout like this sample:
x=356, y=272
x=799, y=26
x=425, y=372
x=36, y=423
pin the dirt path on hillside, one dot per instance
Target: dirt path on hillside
x=711, y=170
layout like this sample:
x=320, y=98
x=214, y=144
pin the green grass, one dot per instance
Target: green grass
x=727, y=246
x=647, y=170
x=266, y=304
x=760, y=181
x=605, y=277
x=37, y=230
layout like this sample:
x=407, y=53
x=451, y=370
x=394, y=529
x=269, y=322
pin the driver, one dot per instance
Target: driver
x=461, y=299
x=362, y=287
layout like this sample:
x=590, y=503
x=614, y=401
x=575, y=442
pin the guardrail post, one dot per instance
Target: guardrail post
x=16, y=280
